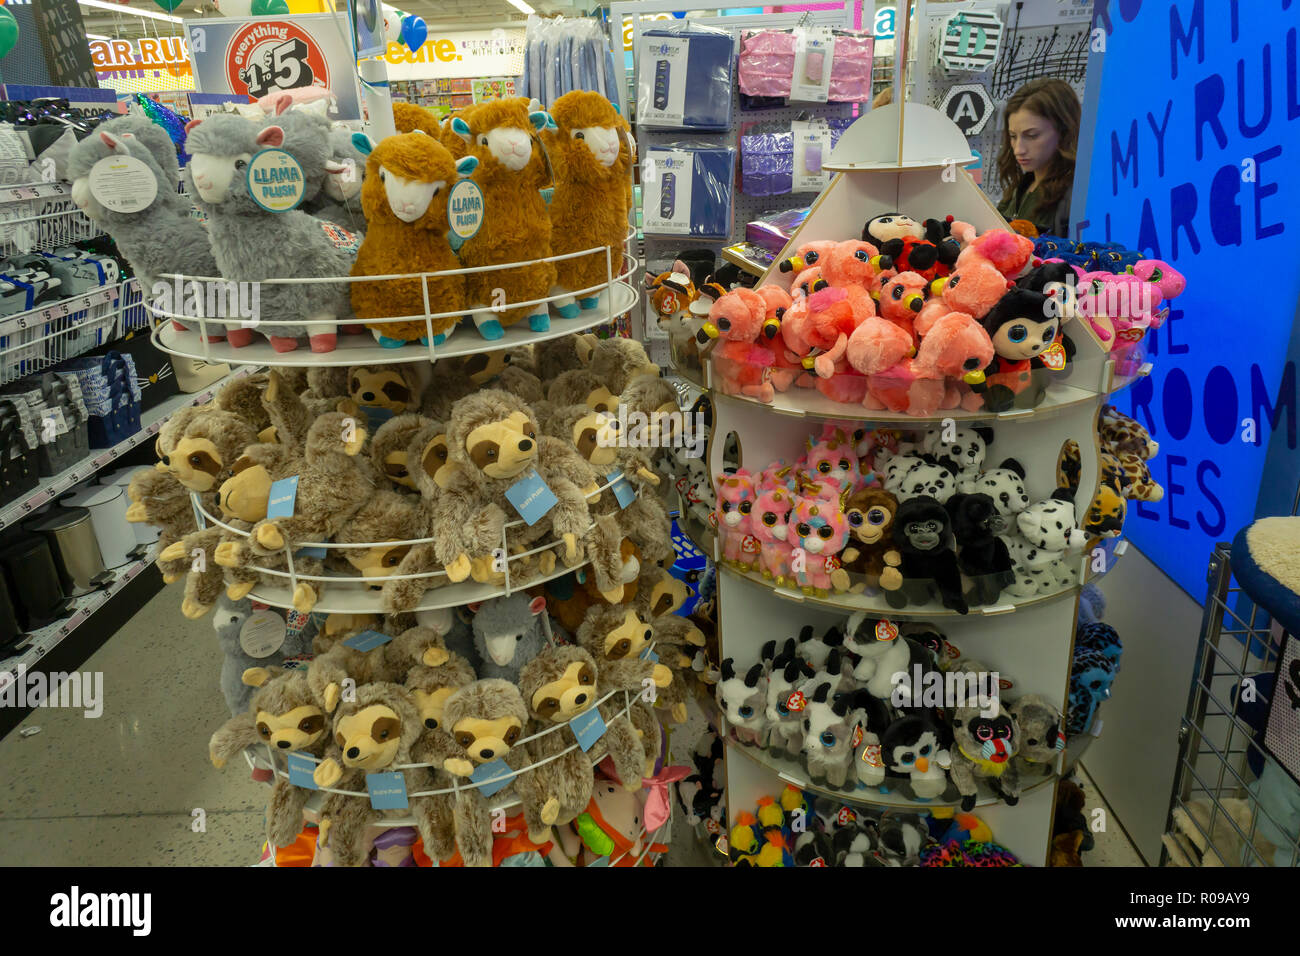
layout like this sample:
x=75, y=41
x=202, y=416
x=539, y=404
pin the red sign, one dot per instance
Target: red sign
x=268, y=55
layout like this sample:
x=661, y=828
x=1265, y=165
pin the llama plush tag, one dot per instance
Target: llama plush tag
x=387, y=791
x=367, y=640
x=122, y=184
x=494, y=775
x=623, y=492
x=301, y=768
x=464, y=210
x=532, y=497
x=281, y=500
x=262, y=634
x=1053, y=356
x=588, y=727
x=275, y=180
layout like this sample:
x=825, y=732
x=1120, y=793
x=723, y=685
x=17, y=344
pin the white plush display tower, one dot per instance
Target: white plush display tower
x=1030, y=640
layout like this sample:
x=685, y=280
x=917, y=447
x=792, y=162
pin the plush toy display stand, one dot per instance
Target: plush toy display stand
x=919, y=170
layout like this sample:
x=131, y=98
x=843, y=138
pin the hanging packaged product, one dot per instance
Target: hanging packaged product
x=684, y=78
x=814, y=56
x=687, y=190
x=812, y=147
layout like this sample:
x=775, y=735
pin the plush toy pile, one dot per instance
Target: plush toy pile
x=922, y=518
x=383, y=479
x=913, y=318
x=486, y=695
x=875, y=704
x=411, y=219
x=787, y=830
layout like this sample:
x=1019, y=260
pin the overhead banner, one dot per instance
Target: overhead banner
x=1193, y=161
x=261, y=56
x=468, y=53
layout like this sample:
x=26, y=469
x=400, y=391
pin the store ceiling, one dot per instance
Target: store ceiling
x=439, y=14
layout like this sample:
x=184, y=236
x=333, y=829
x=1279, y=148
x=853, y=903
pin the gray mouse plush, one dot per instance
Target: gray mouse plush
x=228, y=619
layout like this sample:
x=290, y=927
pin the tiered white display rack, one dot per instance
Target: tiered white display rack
x=879, y=169
x=353, y=593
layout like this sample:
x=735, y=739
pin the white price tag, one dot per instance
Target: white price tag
x=123, y=184
x=262, y=634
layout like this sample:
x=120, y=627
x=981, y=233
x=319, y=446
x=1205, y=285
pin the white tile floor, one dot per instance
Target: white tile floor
x=123, y=789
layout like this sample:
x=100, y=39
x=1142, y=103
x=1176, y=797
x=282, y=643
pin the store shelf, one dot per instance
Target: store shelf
x=753, y=259
x=810, y=403
x=705, y=541
x=898, y=799
x=39, y=217
x=151, y=421
x=362, y=349
x=43, y=640
x=351, y=598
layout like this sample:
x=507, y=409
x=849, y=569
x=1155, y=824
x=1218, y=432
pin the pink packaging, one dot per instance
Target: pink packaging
x=850, y=69
x=767, y=63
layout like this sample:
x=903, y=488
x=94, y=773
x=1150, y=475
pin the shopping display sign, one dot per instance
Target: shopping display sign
x=969, y=106
x=970, y=41
x=258, y=57
x=461, y=55
x=1193, y=159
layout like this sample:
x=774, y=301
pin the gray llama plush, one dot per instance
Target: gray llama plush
x=252, y=244
x=161, y=238
x=508, y=634
x=228, y=620
x=340, y=197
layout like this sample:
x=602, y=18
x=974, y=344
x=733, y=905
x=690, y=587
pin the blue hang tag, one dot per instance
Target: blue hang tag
x=588, y=727
x=318, y=553
x=532, y=497
x=301, y=768
x=284, y=493
x=367, y=640
x=199, y=520
x=649, y=655
x=494, y=775
x=376, y=415
x=624, y=494
x=387, y=790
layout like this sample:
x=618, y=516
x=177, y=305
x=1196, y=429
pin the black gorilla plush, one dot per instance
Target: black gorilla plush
x=924, y=541
x=983, y=556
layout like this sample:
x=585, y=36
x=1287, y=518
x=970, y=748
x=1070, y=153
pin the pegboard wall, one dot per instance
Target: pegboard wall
x=1040, y=38
x=744, y=208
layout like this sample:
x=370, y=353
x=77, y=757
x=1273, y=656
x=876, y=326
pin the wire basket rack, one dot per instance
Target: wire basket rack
x=39, y=217
x=343, y=593
x=41, y=338
x=1225, y=808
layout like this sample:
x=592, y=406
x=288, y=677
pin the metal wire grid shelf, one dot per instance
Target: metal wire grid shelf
x=618, y=288
x=360, y=594
x=41, y=338
x=39, y=217
x=1215, y=802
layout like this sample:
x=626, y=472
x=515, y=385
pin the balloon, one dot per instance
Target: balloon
x=169, y=5
x=414, y=32
x=270, y=8
x=234, y=8
x=8, y=31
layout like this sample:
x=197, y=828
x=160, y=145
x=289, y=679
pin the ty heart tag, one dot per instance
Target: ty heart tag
x=796, y=702
x=857, y=737
x=817, y=861
x=886, y=631
x=1131, y=335
x=1053, y=356
x=845, y=817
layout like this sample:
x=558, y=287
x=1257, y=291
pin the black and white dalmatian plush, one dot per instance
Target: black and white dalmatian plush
x=1005, y=484
x=964, y=455
x=920, y=476
x=1041, y=549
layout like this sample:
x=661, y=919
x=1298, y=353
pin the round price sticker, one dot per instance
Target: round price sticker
x=262, y=634
x=275, y=180
x=465, y=209
x=123, y=184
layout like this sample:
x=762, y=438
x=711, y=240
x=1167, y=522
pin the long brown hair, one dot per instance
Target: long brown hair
x=1057, y=103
